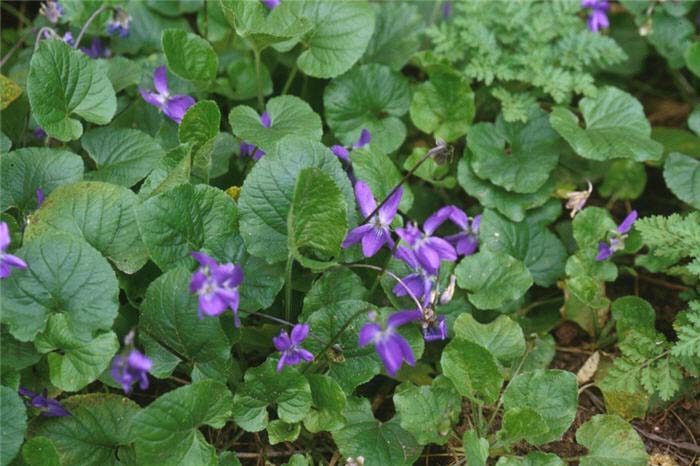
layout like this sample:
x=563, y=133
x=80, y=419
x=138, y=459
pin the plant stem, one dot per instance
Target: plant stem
x=87, y=24
x=258, y=80
x=38, y=36
x=15, y=12
x=431, y=152
x=500, y=398
x=290, y=79
x=288, y=288
x=381, y=273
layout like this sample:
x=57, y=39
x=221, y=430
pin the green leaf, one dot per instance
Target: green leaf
x=187, y=218
x=492, y=278
x=97, y=432
x=122, y=72
x=439, y=175
x=331, y=287
x=5, y=143
x=74, y=363
x=40, y=451
x=444, y=105
x=624, y=179
x=242, y=83
x=585, y=303
x=167, y=430
x=396, y=34
x=535, y=458
x=380, y=443
x=381, y=175
x=261, y=28
x=289, y=115
x=522, y=424
x=171, y=171
x=9, y=92
x=515, y=156
x=338, y=37
x=328, y=403
x=473, y=370
x=530, y=241
x=369, y=97
x=348, y=364
x=263, y=386
x=512, y=205
x=677, y=140
x=200, y=123
x=611, y=442
x=616, y=127
x=476, y=449
x=14, y=424
x=671, y=36
x=266, y=197
x=189, y=56
x=65, y=275
x=145, y=31
x=692, y=57
x=101, y=213
x=682, y=176
x=16, y=354
x=24, y=171
x=317, y=220
x=633, y=313
x=503, y=337
x=169, y=314
x=62, y=82
x=122, y=156
x=428, y=412
x=553, y=394
x=280, y=431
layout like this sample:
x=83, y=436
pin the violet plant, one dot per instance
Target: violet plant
x=335, y=232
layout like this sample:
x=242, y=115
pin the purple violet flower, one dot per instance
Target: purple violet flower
x=289, y=346
x=7, y=261
x=429, y=249
x=605, y=250
x=420, y=281
x=131, y=368
x=39, y=197
x=271, y=4
x=343, y=153
x=598, y=18
x=217, y=286
x=51, y=10
x=249, y=150
x=375, y=233
x=174, y=107
x=393, y=349
x=39, y=133
x=49, y=407
x=435, y=330
x=265, y=120
x=96, y=50
x=447, y=8
x=467, y=241
x=120, y=22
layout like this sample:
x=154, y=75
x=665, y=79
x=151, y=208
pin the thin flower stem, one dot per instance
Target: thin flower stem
x=392, y=275
x=39, y=35
x=440, y=147
x=500, y=398
x=384, y=267
x=290, y=79
x=15, y=12
x=12, y=51
x=258, y=80
x=87, y=24
x=288, y=288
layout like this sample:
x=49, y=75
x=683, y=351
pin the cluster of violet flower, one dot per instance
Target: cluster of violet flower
x=423, y=252
x=131, y=366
